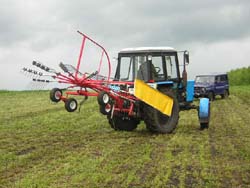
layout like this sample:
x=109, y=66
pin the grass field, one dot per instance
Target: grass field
x=42, y=145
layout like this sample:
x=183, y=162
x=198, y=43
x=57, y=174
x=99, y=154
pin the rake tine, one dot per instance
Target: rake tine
x=43, y=67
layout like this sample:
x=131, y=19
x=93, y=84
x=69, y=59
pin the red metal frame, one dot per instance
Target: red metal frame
x=96, y=85
x=97, y=44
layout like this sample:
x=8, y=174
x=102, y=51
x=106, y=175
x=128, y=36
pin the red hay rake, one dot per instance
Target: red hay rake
x=88, y=84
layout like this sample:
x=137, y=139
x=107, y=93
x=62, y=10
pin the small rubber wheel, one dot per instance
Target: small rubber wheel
x=105, y=109
x=103, y=98
x=55, y=95
x=70, y=105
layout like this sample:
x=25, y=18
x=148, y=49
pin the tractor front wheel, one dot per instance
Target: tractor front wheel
x=158, y=122
x=204, y=113
x=204, y=126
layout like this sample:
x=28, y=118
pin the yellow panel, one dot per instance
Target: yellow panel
x=153, y=97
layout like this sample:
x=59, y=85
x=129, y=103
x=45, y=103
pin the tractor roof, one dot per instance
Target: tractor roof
x=147, y=49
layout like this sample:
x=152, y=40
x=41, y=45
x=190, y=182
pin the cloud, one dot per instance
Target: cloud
x=112, y=21
x=46, y=29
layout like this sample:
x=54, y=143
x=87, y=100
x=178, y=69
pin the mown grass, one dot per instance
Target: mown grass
x=42, y=145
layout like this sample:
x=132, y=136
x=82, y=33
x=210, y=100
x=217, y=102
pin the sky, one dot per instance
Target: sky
x=216, y=33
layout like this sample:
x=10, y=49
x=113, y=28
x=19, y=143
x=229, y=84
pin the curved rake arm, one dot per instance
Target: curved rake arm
x=97, y=44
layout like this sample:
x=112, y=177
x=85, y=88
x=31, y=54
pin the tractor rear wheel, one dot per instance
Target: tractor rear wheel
x=158, y=122
x=120, y=123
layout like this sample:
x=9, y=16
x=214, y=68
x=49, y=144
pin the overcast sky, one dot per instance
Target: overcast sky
x=217, y=33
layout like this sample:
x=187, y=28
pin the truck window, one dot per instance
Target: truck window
x=223, y=78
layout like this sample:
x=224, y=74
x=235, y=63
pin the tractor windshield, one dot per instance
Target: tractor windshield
x=129, y=66
x=155, y=67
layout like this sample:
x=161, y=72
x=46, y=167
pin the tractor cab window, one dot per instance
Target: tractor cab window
x=139, y=61
x=171, y=66
x=126, y=69
x=129, y=66
x=157, y=70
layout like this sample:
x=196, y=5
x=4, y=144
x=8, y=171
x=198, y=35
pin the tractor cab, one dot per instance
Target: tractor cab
x=152, y=64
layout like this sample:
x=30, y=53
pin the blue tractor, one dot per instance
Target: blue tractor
x=158, y=68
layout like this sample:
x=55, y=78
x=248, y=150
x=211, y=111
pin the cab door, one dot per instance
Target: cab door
x=219, y=85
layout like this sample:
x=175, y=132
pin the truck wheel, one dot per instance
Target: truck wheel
x=225, y=95
x=158, y=122
x=55, y=94
x=211, y=96
x=70, y=105
x=123, y=124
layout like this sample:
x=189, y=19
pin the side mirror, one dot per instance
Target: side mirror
x=186, y=57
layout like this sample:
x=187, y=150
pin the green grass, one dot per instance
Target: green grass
x=42, y=145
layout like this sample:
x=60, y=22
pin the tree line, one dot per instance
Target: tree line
x=239, y=76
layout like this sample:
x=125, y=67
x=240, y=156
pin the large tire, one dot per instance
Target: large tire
x=120, y=123
x=158, y=122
